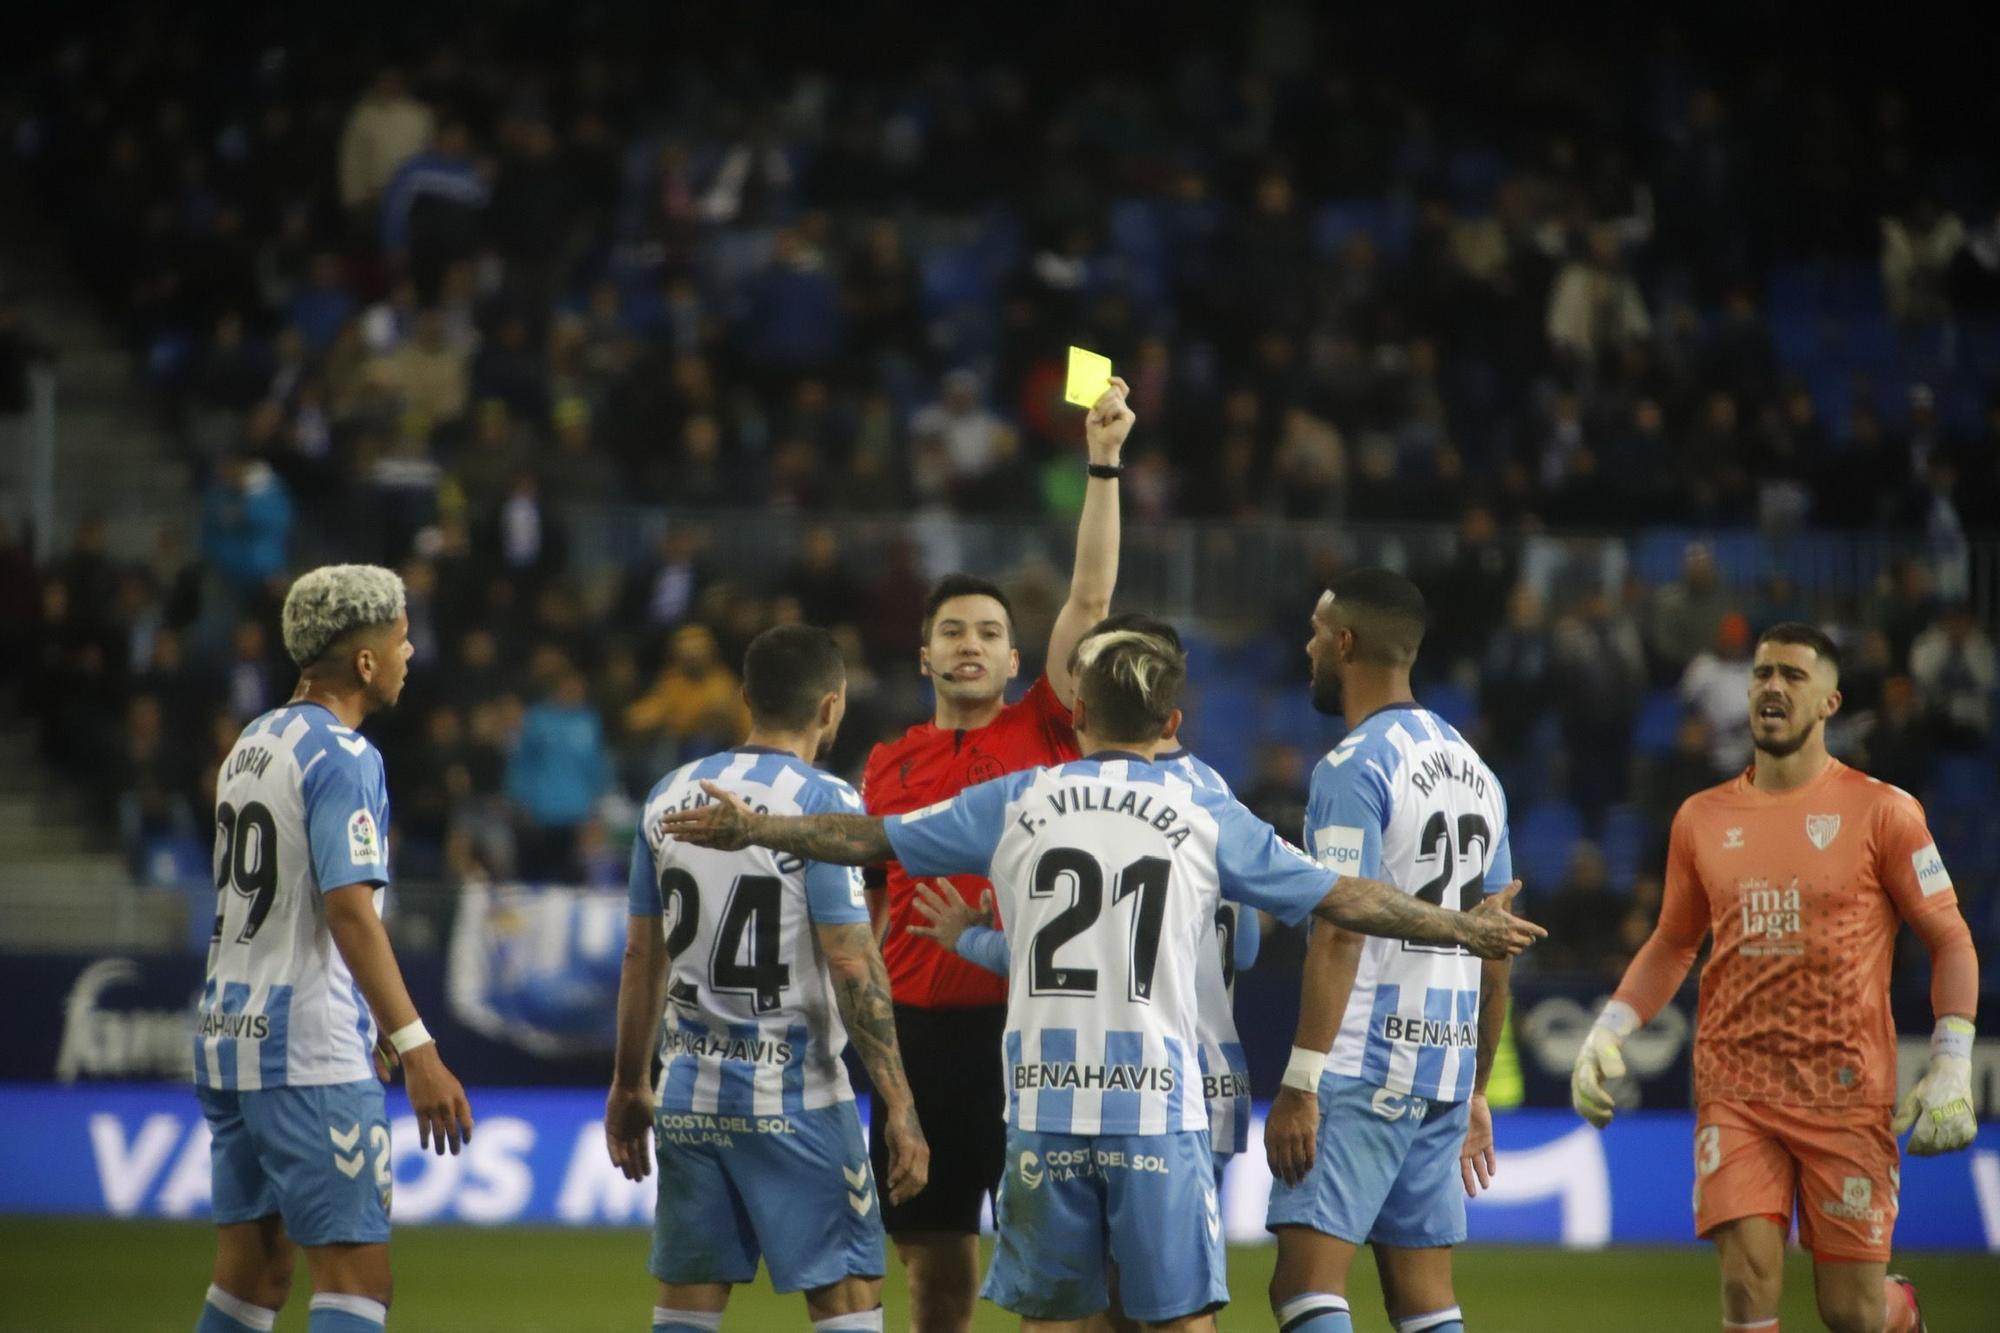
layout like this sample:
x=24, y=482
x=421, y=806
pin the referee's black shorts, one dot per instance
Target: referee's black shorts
x=952, y=1057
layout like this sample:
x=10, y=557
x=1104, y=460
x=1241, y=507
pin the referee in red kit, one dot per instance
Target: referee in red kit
x=949, y=1014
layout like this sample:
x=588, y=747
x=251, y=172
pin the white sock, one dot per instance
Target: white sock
x=1421, y=1323
x=349, y=1304
x=861, y=1321
x=708, y=1321
x=242, y=1311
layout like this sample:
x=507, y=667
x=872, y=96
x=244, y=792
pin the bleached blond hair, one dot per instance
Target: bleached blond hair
x=332, y=600
x=1130, y=682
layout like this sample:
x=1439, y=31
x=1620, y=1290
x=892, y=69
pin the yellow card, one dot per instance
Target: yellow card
x=1089, y=377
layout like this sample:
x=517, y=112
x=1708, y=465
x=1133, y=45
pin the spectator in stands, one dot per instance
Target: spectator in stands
x=1712, y=689
x=151, y=784
x=1599, y=674
x=1276, y=790
x=1470, y=594
x=433, y=209
x=827, y=593
x=791, y=319
x=386, y=128
x=576, y=471
x=246, y=524
x=251, y=681
x=695, y=702
x=1956, y=673
x=1595, y=306
x=428, y=374
x=660, y=595
x=1584, y=915
x=558, y=770
x=961, y=428
x=1918, y=247
x=1515, y=679
x=1678, y=774
x=1901, y=746
x=1683, y=617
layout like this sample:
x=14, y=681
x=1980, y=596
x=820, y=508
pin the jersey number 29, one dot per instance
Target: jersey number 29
x=246, y=860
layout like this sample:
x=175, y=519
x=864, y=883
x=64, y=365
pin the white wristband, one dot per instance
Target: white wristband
x=1304, y=1069
x=1618, y=1018
x=407, y=1039
x=1953, y=1036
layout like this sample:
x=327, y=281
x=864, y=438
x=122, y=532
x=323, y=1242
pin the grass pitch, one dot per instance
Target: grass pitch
x=72, y=1276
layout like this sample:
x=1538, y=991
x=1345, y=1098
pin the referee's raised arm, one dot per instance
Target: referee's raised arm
x=1097, y=533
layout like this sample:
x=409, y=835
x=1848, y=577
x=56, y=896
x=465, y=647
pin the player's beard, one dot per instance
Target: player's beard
x=1326, y=694
x=1784, y=747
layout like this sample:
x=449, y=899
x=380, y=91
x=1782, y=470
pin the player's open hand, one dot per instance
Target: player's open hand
x=437, y=1099
x=723, y=824
x=909, y=1156
x=1291, y=1134
x=946, y=915
x=1108, y=423
x=1493, y=931
x=628, y=1125
x=1477, y=1164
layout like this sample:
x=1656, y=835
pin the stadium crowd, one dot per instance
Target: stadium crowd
x=430, y=306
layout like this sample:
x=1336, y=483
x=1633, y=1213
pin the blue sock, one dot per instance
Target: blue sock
x=685, y=1321
x=1315, y=1312
x=339, y=1312
x=223, y=1313
x=1437, y=1321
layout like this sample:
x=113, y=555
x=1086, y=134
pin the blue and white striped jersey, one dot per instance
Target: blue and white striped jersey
x=751, y=1025
x=301, y=807
x=1107, y=872
x=1405, y=800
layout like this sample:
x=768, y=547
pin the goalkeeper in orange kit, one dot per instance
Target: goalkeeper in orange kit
x=1803, y=868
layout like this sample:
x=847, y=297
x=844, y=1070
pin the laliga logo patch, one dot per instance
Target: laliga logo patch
x=1857, y=1192
x=1822, y=829
x=1032, y=1172
x=364, y=847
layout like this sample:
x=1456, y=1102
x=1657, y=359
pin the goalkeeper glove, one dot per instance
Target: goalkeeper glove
x=1940, y=1106
x=1600, y=1061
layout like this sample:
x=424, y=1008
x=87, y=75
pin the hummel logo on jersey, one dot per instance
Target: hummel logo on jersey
x=356, y=747
x=344, y=1143
x=1732, y=838
x=1822, y=829
x=1345, y=751
x=1214, y=1214
x=858, y=1197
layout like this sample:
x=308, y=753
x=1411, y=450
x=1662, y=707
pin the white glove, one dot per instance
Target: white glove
x=1940, y=1106
x=1599, y=1061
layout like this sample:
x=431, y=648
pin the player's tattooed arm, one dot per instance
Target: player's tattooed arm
x=861, y=994
x=727, y=823
x=1374, y=908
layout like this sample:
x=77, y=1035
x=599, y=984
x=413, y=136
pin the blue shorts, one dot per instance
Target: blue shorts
x=796, y=1189
x=317, y=1155
x=1069, y=1203
x=1386, y=1169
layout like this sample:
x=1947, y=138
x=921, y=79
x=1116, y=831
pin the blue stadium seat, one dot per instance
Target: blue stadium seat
x=1222, y=727
x=1542, y=838
x=1454, y=703
x=1658, y=723
x=1962, y=784
x=1624, y=846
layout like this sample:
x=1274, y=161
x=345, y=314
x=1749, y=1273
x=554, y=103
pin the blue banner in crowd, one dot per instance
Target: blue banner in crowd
x=129, y=1150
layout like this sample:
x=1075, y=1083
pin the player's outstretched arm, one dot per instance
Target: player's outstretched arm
x=444, y=1118
x=1371, y=907
x=729, y=824
x=947, y=917
x=1095, y=574
x=861, y=993
x=1655, y=973
x=1291, y=1131
x=642, y=998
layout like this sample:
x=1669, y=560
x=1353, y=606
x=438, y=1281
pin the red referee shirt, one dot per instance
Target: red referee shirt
x=931, y=764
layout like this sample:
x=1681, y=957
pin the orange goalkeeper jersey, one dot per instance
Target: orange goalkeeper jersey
x=1804, y=890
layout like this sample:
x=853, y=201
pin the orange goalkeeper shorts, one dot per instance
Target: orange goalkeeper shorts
x=1839, y=1168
